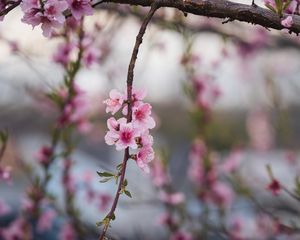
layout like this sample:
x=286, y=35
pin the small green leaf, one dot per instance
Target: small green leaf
x=128, y=193
x=113, y=217
x=125, y=183
x=98, y=224
x=105, y=174
x=104, y=180
x=119, y=167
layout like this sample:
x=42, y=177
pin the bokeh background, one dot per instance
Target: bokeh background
x=257, y=111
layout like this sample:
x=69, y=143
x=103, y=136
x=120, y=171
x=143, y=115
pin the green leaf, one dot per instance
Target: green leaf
x=113, y=217
x=125, y=183
x=105, y=174
x=128, y=193
x=98, y=224
x=119, y=167
x=104, y=180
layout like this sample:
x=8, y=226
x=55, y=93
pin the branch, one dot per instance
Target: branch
x=130, y=75
x=10, y=8
x=223, y=9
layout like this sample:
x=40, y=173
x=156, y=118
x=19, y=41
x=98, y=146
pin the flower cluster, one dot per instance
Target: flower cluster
x=134, y=134
x=50, y=13
x=203, y=172
x=75, y=109
x=65, y=51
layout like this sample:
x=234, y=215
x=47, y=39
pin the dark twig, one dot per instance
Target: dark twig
x=10, y=8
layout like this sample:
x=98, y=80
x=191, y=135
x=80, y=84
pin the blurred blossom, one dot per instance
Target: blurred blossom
x=266, y=226
x=181, y=235
x=221, y=194
x=274, y=187
x=207, y=92
x=232, y=162
x=67, y=232
x=44, y=155
x=104, y=201
x=46, y=220
x=236, y=226
x=197, y=153
x=16, y=230
x=166, y=219
x=63, y=53
x=5, y=174
x=260, y=130
x=291, y=157
x=158, y=173
x=4, y=208
x=172, y=198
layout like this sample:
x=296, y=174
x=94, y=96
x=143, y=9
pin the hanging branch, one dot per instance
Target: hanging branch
x=139, y=39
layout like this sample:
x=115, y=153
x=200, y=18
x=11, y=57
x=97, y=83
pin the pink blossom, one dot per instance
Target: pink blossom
x=181, y=235
x=232, y=162
x=291, y=157
x=50, y=15
x=274, y=187
x=46, y=220
x=90, y=56
x=4, y=208
x=112, y=136
x=172, y=198
x=80, y=8
x=126, y=138
x=44, y=155
x=143, y=157
x=62, y=54
x=287, y=22
x=67, y=232
x=115, y=101
x=104, y=201
x=15, y=230
x=260, y=130
x=53, y=9
x=76, y=110
x=236, y=228
x=5, y=174
x=266, y=226
x=137, y=96
x=166, y=219
x=221, y=194
x=141, y=116
x=206, y=91
x=158, y=173
x=196, y=156
x=145, y=139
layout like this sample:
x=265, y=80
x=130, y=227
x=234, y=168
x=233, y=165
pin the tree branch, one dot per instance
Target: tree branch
x=223, y=9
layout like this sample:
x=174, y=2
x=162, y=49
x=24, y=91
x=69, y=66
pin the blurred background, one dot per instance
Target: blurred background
x=250, y=105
